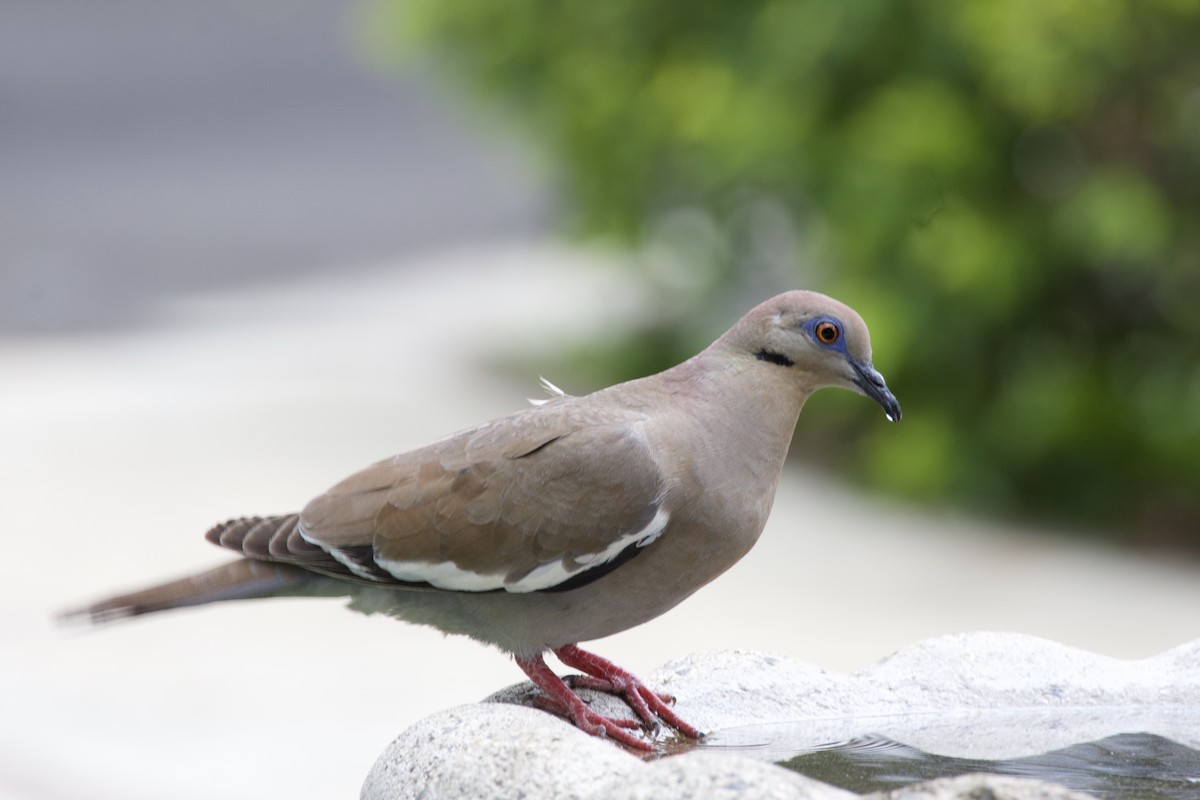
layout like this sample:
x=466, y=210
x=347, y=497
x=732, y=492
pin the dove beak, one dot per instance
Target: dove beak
x=872, y=384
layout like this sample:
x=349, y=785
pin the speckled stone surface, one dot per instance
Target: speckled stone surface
x=983, y=695
x=503, y=750
x=981, y=787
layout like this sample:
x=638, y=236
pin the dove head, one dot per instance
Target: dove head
x=815, y=339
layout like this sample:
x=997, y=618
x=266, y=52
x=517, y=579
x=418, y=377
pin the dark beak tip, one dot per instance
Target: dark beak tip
x=873, y=386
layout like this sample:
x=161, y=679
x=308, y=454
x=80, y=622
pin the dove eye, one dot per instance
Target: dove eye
x=827, y=332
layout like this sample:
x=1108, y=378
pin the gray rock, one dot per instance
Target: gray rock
x=984, y=695
x=494, y=750
x=978, y=695
x=981, y=787
x=703, y=775
x=502, y=750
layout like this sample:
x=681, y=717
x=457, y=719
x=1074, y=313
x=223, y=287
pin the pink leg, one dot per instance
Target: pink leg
x=649, y=705
x=565, y=701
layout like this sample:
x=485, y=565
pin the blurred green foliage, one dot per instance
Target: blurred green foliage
x=1008, y=190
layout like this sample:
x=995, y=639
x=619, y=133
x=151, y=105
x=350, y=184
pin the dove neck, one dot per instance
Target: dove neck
x=742, y=406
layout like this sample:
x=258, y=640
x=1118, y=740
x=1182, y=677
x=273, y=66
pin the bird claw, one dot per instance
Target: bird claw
x=551, y=706
x=652, y=709
x=612, y=728
x=608, y=687
x=602, y=675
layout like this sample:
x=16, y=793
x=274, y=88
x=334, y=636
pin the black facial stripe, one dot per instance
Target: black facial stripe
x=774, y=358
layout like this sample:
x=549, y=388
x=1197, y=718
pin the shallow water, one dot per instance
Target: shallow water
x=1131, y=765
x=1128, y=766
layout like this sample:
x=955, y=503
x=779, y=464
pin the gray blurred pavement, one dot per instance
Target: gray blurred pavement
x=152, y=149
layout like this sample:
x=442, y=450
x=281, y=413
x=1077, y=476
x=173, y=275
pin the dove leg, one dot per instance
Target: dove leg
x=566, y=702
x=606, y=676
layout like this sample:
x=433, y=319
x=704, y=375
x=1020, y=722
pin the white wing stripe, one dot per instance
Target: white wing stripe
x=549, y=575
x=446, y=575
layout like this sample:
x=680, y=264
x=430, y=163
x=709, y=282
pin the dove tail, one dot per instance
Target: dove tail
x=236, y=580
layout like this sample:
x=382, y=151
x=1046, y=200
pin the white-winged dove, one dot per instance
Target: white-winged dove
x=566, y=522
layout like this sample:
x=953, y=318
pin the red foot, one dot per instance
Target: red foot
x=650, y=706
x=562, y=700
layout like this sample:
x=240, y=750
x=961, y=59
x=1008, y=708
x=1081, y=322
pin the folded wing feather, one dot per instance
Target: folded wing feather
x=523, y=503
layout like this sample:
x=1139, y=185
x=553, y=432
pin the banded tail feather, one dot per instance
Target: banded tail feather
x=237, y=580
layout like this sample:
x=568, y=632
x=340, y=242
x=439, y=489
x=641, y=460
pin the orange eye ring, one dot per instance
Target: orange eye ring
x=827, y=332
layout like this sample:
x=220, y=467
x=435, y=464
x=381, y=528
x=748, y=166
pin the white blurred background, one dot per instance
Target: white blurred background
x=236, y=264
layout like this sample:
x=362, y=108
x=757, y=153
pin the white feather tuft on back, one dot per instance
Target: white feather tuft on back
x=551, y=389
